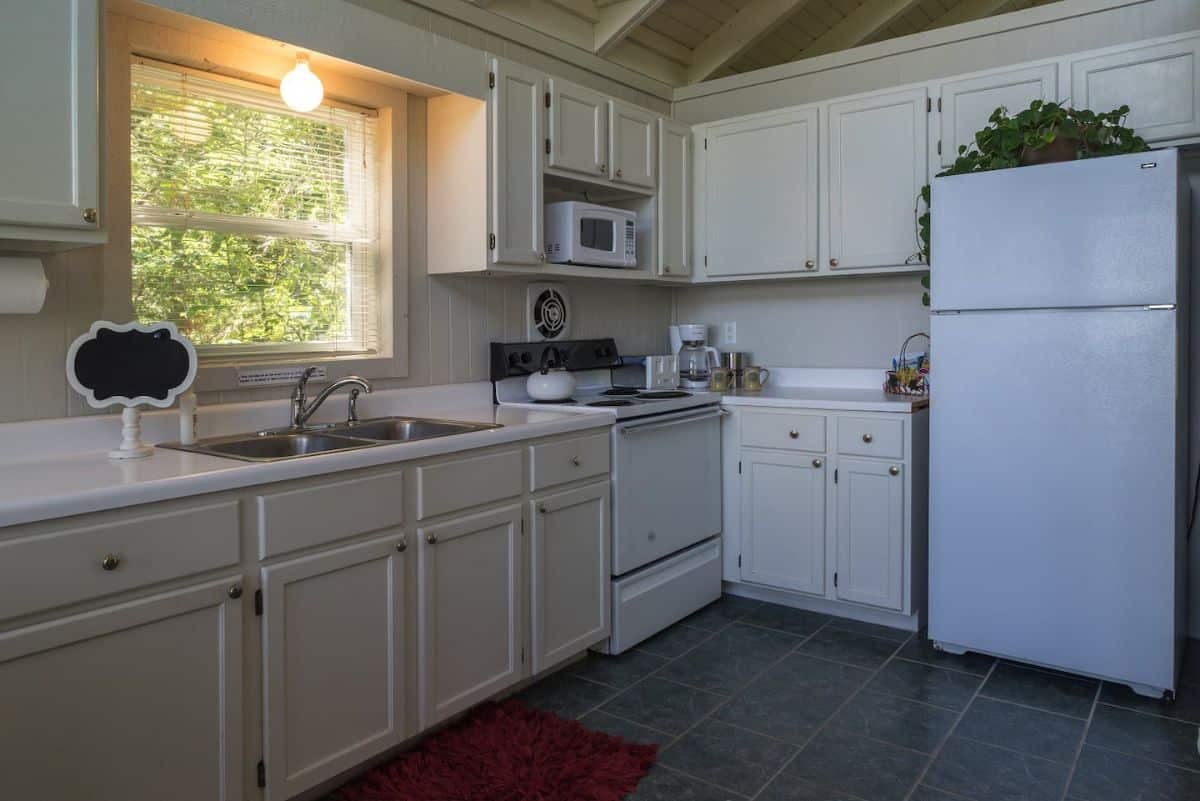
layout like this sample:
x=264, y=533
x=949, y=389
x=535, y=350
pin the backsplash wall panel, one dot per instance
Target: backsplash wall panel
x=821, y=322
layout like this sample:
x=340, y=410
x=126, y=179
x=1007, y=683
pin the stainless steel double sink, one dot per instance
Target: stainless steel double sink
x=274, y=446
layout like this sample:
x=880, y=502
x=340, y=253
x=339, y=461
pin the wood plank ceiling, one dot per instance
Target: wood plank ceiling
x=687, y=41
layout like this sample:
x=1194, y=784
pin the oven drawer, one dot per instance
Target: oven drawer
x=566, y=460
x=646, y=602
x=871, y=436
x=784, y=430
x=666, y=486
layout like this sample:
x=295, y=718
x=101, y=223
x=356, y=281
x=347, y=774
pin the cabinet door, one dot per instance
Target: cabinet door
x=469, y=630
x=760, y=194
x=783, y=520
x=966, y=104
x=578, y=129
x=517, y=136
x=877, y=149
x=136, y=702
x=674, y=198
x=50, y=138
x=1159, y=83
x=569, y=560
x=870, y=532
x=333, y=662
x=632, y=154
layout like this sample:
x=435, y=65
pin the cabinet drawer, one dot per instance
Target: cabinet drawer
x=463, y=483
x=787, y=430
x=78, y=564
x=568, y=460
x=302, y=518
x=867, y=436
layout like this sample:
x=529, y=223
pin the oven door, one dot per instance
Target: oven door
x=666, y=485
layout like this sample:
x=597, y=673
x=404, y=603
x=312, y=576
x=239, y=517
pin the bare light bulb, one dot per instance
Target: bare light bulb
x=301, y=89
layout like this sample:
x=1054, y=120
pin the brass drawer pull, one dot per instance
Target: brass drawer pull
x=895, y=471
x=111, y=561
x=576, y=461
x=431, y=539
x=817, y=463
x=235, y=591
x=867, y=438
x=794, y=434
x=402, y=545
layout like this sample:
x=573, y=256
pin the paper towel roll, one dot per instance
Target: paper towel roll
x=23, y=285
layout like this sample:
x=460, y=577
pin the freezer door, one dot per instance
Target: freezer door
x=1100, y=232
x=1053, y=516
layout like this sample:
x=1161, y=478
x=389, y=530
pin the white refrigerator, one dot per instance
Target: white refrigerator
x=1058, y=428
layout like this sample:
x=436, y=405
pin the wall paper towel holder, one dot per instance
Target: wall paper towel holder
x=131, y=364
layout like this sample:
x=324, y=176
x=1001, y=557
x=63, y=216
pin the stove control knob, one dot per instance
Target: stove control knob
x=526, y=357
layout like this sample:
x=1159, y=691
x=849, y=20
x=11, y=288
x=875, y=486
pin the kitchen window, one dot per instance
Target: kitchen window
x=255, y=228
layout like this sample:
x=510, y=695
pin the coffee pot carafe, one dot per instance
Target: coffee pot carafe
x=696, y=356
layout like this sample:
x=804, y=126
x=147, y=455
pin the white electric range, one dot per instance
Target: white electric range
x=666, y=481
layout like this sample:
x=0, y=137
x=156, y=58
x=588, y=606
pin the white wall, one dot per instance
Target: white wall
x=821, y=322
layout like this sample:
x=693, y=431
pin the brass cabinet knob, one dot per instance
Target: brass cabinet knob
x=90, y=215
x=808, y=265
x=895, y=471
x=867, y=438
x=833, y=262
x=576, y=461
x=431, y=538
x=603, y=168
x=111, y=561
x=666, y=268
x=541, y=508
x=235, y=591
x=817, y=463
x=618, y=172
x=402, y=545
x=794, y=434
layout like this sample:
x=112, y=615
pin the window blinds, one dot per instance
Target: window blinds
x=256, y=227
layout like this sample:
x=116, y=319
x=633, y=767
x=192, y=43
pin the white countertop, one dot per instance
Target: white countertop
x=835, y=390
x=59, y=482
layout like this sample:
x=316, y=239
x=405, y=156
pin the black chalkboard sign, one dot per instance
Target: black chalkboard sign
x=131, y=364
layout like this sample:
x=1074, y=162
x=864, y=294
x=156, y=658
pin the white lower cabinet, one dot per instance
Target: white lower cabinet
x=139, y=701
x=569, y=573
x=783, y=520
x=469, y=631
x=333, y=661
x=870, y=532
x=835, y=518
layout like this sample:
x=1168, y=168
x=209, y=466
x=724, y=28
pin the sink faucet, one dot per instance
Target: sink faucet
x=302, y=409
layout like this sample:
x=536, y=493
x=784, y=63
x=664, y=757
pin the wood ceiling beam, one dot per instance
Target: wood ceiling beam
x=752, y=23
x=966, y=11
x=860, y=25
x=618, y=20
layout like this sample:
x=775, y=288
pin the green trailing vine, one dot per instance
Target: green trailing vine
x=1042, y=133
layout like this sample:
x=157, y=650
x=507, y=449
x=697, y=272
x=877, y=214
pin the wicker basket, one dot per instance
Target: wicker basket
x=904, y=381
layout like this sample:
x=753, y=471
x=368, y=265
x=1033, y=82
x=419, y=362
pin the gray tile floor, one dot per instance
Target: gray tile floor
x=756, y=701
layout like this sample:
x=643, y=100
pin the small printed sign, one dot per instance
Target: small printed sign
x=268, y=376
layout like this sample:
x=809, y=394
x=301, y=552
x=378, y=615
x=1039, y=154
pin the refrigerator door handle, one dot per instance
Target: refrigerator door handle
x=1161, y=307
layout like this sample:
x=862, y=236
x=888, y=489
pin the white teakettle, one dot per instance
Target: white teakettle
x=551, y=382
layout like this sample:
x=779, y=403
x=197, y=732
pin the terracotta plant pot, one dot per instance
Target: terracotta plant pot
x=1061, y=149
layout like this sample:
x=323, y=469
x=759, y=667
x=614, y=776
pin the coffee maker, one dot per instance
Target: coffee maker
x=696, y=356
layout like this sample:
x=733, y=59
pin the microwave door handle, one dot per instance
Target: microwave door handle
x=678, y=421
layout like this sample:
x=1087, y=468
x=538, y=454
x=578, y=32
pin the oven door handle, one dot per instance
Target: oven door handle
x=677, y=421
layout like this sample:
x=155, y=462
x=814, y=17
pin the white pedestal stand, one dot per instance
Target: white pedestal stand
x=132, y=446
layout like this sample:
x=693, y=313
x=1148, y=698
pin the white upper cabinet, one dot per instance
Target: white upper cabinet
x=631, y=151
x=49, y=173
x=966, y=104
x=570, y=573
x=140, y=701
x=578, y=133
x=870, y=532
x=674, y=198
x=783, y=520
x=877, y=148
x=759, y=194
x=333, y=662
x=517, y=135
x=470, y=628
x=1160, y=84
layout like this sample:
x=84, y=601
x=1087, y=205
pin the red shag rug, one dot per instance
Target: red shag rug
x=509, y=752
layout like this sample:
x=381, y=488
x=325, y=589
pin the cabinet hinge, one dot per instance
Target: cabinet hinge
x=928, y=104
x=522, y=656
x=939, y=105
x=491, y=241
x=739, y=473
x=522, y=525
x=705, y=259
x=547, y=146
x=258, y=603
x=739, y=560
x=262, y=773
x=547, y=100
x=939, y=147
x=835, y=579
x=835, y=472
x=491, y=80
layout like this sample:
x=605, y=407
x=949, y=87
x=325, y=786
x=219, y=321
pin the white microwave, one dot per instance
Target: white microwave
x=584, y=233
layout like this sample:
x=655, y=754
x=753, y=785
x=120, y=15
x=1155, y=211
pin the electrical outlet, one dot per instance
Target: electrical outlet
x=729, y=334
